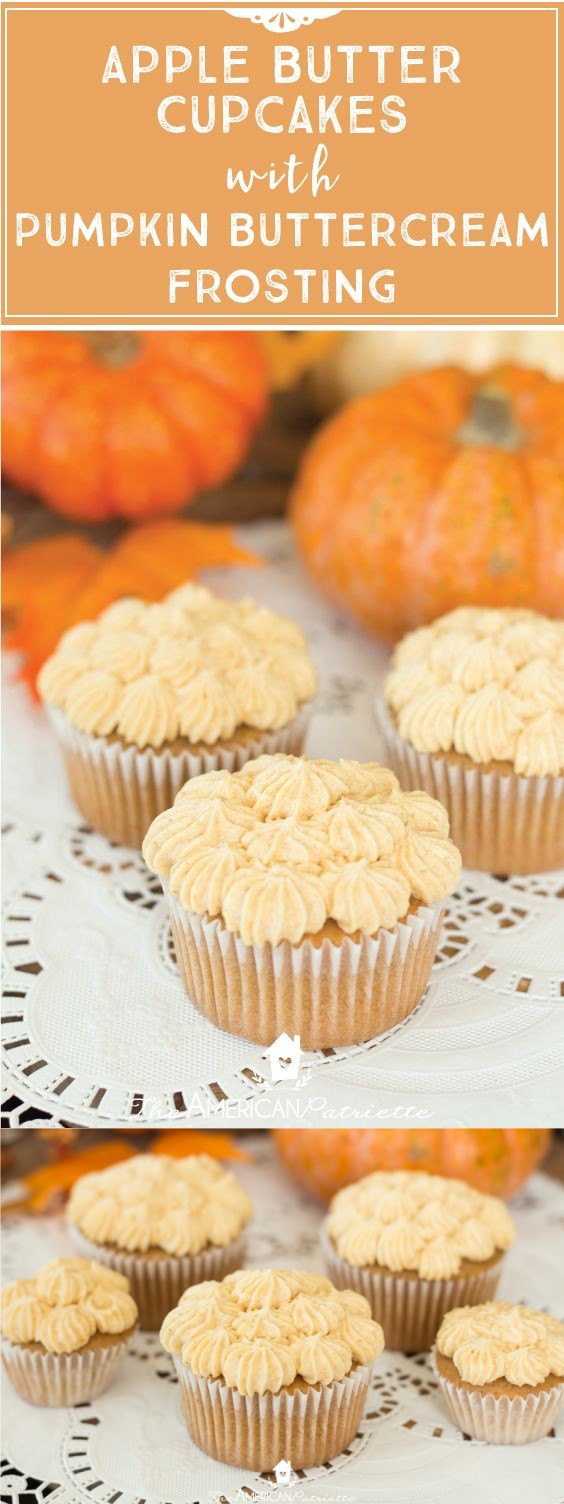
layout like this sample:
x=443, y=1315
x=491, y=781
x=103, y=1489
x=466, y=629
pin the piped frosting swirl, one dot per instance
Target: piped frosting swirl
x=65, y=1304
x=408, y=1220
x=259, y=1329
x=156, y=1201
x=192, y=666
x=502, y=1341
x=288, y=843
x=488, y=684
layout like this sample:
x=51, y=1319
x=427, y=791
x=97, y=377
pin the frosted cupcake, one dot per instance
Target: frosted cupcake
x=501, y=1371
x=148, y=696
x=304, y=897
x=474, y=714
x=272, y=1363
x=66, y=1331
x=415, y=1245
x=164, y=1223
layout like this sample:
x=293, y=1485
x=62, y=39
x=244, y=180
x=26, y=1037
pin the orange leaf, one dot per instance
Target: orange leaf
x=50, y=1180
x=290, y=352
x=54, y=583
x=181, y=1141
x=31, y=570
x=153, y=559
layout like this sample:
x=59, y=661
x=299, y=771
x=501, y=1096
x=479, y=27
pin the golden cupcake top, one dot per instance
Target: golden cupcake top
x=288, y=843
x=193, y=666
x=259, y=1329
x=65, y=1304
x=408, y=1220
x=154, y=1201
x=502, y=1341
x=488, y=684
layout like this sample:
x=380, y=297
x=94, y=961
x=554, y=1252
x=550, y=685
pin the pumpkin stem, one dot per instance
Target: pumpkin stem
x=490, y=421
x=112, y=348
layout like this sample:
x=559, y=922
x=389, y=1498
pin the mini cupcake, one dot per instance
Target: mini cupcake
x=148, y=696
x=272, y=1363
x=66, y=1331
x=164, y=1223
x=415, y=1245
x=474, y=714
x=501, y=1371
x=305, y=897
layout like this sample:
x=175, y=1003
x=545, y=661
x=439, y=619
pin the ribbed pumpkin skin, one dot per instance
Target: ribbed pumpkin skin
x=495, y=1160
x=96, y=440
x=399, y=519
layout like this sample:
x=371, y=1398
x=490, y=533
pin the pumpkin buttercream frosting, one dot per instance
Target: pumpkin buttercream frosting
x=502, y=1341
x=485, y=684
x=193, y=666
x=287, y=844
x=154, y=1201
x=66, y=1304
x=261, y=1329
x=408, y=1220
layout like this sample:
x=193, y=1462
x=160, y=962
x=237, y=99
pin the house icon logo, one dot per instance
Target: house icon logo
x=283, y=1473
x=284, y=1056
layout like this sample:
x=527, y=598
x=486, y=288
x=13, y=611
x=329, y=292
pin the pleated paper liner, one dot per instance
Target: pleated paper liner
x=408, y=1308
x=51, y=1379
x=501, y=822
x=121, y=789
x=503, y=1419
x=157, y=1280
x=331, y=994
x=303, y=1426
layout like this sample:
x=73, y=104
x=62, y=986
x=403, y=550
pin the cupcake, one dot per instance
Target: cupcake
x=66, y=1331
x=164, y=1223
x=148, y=696
x=415, y=1245
x=305, y=897
x=272, y=1363
x=474, y=714
x=501, y=1370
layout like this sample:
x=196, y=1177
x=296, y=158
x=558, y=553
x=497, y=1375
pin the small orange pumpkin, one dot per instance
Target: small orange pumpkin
x=446, y=489
x=128, y=425
x=495, y=1160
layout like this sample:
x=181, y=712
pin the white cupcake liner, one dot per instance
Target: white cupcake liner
x=408, y=1308
x=330, y=994
x=503, y=1419
x=44, y=1378
x=157, y=1284
x=120, y=790
x=306, y=1427
x=502, y=823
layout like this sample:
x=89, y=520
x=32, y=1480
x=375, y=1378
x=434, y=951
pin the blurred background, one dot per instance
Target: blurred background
x=308, y=375
x=40, y=1167
x=419, y=469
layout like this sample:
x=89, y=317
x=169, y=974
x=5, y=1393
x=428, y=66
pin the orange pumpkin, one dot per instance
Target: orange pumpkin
x=128, y=425
x=495, y=1160
x=446, y=489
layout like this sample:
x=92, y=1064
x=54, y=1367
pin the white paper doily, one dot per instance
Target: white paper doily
x=96, y=1027
x=131, y=1446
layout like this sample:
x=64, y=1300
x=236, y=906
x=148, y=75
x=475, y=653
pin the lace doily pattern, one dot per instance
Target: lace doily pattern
x=407, y=1449
x=96, y=1027
x=91, y=986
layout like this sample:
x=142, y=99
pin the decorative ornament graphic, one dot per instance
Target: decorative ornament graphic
x=283, y=18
